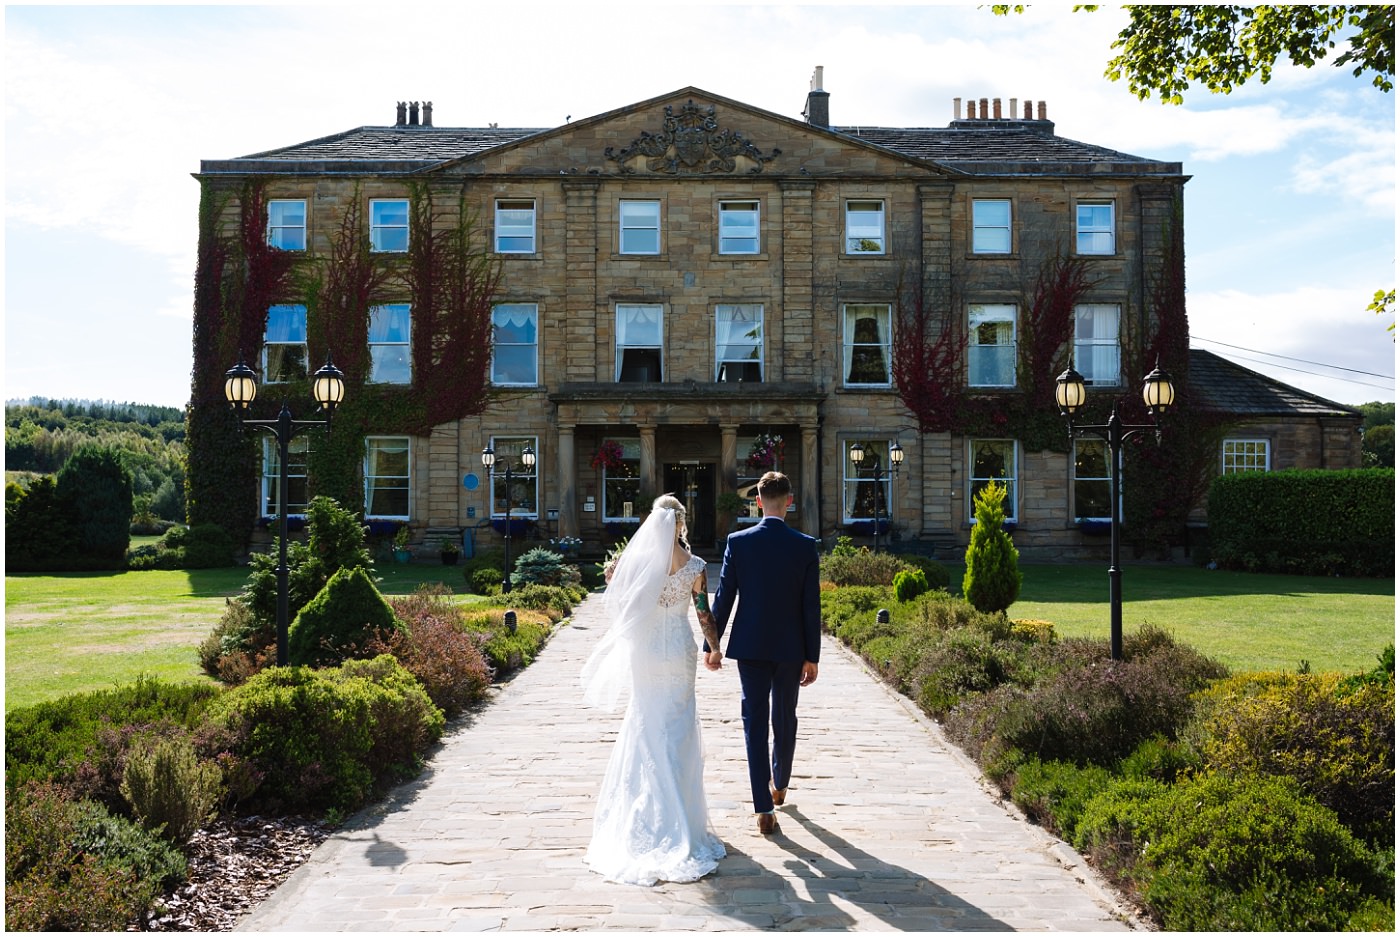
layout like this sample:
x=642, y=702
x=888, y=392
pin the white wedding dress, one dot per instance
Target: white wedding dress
x=651, y=823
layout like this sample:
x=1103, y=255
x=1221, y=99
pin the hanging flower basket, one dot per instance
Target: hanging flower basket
x=766, y=453
x=609, y=456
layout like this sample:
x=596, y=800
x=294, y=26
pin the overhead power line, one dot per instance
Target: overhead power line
x=1320, y=364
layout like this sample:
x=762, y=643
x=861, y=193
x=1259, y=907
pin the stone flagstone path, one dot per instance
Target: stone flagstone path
x=887, y=826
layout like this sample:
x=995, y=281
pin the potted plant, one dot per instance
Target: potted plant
x=448, y=551
x=729, y=505
x=401, y=551
x=566, y=546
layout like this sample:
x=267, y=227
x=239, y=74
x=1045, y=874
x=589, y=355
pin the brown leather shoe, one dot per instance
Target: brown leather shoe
x=779, y=796
x=767, y=823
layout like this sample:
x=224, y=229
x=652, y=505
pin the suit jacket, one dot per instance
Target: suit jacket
x=773, y=572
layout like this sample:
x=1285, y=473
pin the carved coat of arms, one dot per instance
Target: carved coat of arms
x=690, y=141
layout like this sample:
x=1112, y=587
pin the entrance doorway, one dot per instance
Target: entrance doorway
x=694, y=484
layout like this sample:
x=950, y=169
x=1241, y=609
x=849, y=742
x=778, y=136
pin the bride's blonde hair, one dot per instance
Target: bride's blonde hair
x=674, y=503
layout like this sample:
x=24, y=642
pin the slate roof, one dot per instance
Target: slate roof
x=999, y=147
x=1231, y=388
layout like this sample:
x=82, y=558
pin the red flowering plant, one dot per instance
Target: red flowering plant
x=609, y=456
x=766, y=453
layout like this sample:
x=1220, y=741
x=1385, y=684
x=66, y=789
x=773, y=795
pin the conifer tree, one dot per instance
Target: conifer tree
x=993, y=578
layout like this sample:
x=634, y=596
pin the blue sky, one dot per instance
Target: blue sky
x=108, y=110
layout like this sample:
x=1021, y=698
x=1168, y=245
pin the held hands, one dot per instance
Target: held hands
x=712, y=659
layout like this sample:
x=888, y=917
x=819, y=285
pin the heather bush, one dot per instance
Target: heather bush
x=81, y=740
x=1339, y=746
x=507, y=651
x=437, y=649
x=1055, y=793
x=555, y=601
x=340, y=621
x=1217, y=853
x=861, y=568
x=72, y=866
x=309, y=734
x=1161, y=759
x=171, y=791
x=959, y=663
x=909, y=584
x=849, y=612
x=1092, y=711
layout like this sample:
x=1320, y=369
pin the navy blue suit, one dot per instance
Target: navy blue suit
x=772, y=570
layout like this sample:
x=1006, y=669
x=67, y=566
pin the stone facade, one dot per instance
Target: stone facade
x=689, y=431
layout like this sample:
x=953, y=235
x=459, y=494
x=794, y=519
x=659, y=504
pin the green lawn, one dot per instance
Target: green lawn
x=1247, y=621
x=72, y=632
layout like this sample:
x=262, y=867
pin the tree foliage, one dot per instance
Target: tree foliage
x=1163, y=49
x=993, y=578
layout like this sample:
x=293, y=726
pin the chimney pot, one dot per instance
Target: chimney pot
x=400, y=115
x=816, y=79
x=982, y=108
x=971, y=109
x=413, y=113
x=427, y=113
x=996, y=108
x=1011, y=110
x=1028, y=110
x=957, y=108
x=1040, y=110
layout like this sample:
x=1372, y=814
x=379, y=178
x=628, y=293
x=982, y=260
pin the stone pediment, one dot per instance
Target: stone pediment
x=689, y=133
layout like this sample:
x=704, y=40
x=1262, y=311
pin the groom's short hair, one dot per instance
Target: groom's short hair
x=774, y=486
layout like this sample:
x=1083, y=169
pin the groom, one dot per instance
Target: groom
x=772, y=570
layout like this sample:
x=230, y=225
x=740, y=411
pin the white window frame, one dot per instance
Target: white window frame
x=622, y=481
x=739, y=226
x=868, y=237
x=629, y=220
x=384, y=237
x=850, y=314
x=388, y=445
x=1097, y=351
x=623, y=344
x=976, y=482
x=279, y=231
x=514, y=235
x=982, y=318
x=499, y=312
x=1095, y=237
x=990, y=235
x=1244, y=455
x=747, y=350
x=296, y=340
x=385, y=355
x=1081, y=480
x=853, y=477
x=298, y=451
x=508, y=450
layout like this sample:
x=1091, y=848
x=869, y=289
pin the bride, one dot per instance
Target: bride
x=651, y=823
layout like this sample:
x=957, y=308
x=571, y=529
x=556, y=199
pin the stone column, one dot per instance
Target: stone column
x=568, y=483
x=807, y=501
x=728, y=456
x=650, y=471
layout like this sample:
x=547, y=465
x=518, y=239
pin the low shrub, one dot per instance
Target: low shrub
x=958, y=663
x=909, y=584
x=483, y=571
x=309, y=734
x=1220, y=853
x=507, y=651
x=72, y=866
x=861, y=568
x=340, y=621
x=1055, y=793
x=555, y=601
x=485, y=580
x=545, y=568
x=1161, y=759
x=204, y=546
x=239, y=646
x=935, y=573
x=436, y=648
x=849, y=610
x=1339, y=746
x=81, y=740
x=171, y=791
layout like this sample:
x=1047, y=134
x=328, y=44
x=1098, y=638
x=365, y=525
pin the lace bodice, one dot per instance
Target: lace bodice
x=676, y=590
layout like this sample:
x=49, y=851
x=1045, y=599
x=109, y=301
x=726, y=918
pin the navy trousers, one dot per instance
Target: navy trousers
x=769, y=695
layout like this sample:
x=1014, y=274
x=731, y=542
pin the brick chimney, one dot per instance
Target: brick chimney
x=987, y=113
x=818, y=112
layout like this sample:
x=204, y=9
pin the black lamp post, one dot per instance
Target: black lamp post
x=1158, y=393
x=488, y=459
x=240, y=388
x=857, y=454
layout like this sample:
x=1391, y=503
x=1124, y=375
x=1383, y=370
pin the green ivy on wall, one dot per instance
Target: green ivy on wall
x=449, y=277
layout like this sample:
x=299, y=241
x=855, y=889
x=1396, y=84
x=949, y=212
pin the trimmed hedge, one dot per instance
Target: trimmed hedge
x=1308, y=522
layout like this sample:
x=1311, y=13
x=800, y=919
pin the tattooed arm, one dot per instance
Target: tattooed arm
x=708, y=627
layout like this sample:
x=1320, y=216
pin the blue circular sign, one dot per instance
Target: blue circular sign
x=470, y=481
